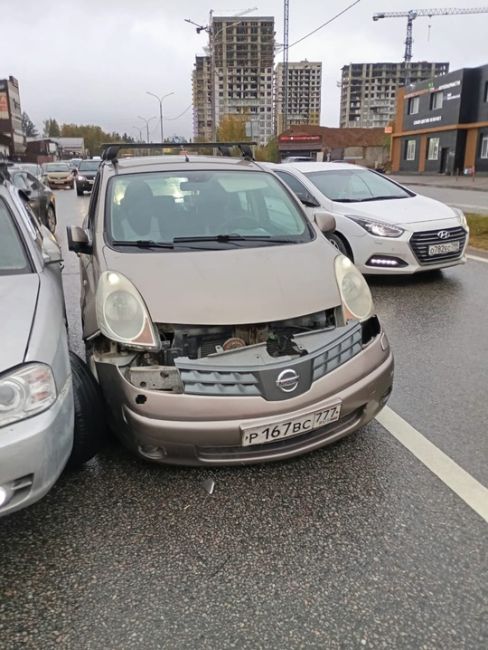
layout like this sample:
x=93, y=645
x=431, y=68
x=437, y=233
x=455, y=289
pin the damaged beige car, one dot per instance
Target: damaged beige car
x=222, y=326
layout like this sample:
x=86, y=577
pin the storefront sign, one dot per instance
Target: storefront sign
x=4, y=112
x=428, y=120
x=300, y=138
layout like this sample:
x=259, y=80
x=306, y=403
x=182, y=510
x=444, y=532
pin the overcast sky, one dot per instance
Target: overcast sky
x=92, y=61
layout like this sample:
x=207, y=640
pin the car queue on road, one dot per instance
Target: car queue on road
x=262, y=372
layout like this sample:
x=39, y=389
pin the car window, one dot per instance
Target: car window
x=19, y=180
x=353, y=185
x=93, y=201
x=56, y=167
x=163, y=206
x=292, y=182
x=88, y=166
x=13, y=256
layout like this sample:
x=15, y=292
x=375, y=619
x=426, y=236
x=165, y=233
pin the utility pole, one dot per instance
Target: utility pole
x=147, y=125
x=160, y=100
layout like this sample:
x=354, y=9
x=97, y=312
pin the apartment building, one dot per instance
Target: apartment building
x=442, y=126
x=11, y=116
x=368, y=90
x=237, y=70
x=304, y=94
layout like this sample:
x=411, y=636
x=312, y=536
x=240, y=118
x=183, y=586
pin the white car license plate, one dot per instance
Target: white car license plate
x=442, y=249
x=289, y=428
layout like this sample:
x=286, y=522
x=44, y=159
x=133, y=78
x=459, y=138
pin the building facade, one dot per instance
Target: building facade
x=442, y=126
x=368, y=90
x=237, y=72
x=11, y=115
x=304, y=93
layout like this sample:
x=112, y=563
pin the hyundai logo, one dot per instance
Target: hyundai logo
x=443, y=234
x=287, y=380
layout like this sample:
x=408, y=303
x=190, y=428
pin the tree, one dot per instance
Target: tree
x=28, y=127
x=270, y=152
x=51, y=128
x=232, y=128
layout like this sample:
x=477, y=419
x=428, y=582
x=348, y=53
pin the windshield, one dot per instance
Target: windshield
x=13, y=258
x=246, y=207
x=352, y=185
x=89, y=165
x=56, y=167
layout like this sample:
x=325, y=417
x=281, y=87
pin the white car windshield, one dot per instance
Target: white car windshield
x=57, y=167
x=203, y=206
x=356, y=185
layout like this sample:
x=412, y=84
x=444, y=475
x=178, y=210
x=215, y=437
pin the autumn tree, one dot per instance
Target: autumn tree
x=232, y=128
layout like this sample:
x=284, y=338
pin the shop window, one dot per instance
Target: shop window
x=433, y=150
x=410, y=146
x=484, y=147
x=436, y=100
x=413, y=105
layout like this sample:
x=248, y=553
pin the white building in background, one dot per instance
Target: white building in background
x=304, y=93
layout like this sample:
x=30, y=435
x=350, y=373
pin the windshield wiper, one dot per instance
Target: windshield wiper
x=381, y=198
x=145, y=243
x=233, y=238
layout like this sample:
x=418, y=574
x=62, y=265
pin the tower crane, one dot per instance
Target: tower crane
x=419, y=13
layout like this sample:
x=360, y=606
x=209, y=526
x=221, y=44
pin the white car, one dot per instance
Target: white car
x=381, y=225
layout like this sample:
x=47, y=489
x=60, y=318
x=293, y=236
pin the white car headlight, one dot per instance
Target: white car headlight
x=80, y=177
x=122, y=315
x=377, y=228
x=356, y=297
x=460, y=215
x=27, y=391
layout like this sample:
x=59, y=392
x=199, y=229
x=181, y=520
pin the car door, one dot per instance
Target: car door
x=22, y=182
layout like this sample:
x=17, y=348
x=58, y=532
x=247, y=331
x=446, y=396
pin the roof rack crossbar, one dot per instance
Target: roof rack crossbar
x=111, y=150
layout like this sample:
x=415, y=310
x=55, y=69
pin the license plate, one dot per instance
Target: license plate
x=288, y=428
x=442, y=249
x=90, y=182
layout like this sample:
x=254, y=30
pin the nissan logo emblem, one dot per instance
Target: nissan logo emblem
x=443, y=234
x=287, y=380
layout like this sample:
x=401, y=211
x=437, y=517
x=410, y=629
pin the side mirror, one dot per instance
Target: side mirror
x=325, y=221
x=51, y=252
x=78, y=240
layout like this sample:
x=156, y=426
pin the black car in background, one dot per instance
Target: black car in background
x=85, y=176
x=40, y=197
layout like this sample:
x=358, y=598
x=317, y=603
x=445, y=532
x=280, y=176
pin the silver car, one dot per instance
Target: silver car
x=45, y=391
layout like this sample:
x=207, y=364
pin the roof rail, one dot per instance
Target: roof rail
x=110, y=150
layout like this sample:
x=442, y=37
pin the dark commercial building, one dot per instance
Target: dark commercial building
x=11, y=116
x=442, y=125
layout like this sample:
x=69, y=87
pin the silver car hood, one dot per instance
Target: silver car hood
x=18, y=297
x=238, y=286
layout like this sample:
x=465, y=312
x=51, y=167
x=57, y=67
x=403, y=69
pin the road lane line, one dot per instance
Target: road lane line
x=477, y=259
x=455, y=477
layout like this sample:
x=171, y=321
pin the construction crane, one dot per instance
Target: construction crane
x=286, y=17
x=426, y=13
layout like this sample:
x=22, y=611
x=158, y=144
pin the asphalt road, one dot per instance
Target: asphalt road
x=358, y=545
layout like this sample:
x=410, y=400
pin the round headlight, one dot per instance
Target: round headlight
x=11, y=395
x=354, y=290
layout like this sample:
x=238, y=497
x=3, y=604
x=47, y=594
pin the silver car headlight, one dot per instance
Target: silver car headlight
x=356, y=297
x=377, y=228
x=122, y=315
x=461, y=216
x=27, y=391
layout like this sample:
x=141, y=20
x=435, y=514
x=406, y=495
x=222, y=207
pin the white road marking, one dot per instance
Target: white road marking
x=477, y=259
x=456, y=478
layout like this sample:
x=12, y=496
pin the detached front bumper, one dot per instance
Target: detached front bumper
x=207, y=430
x=33, y=452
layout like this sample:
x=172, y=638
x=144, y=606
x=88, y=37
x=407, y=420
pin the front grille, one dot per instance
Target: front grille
x=341, y=345
x=420, y=242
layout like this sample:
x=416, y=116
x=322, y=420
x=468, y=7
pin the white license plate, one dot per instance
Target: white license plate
x=90, y=182
x=288, y=428
x=442, y=249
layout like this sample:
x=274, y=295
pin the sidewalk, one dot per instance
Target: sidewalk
x=476, y=184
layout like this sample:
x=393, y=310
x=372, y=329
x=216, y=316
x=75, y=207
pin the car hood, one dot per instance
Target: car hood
x=415, y=209
x=18, y=297
x=238, y=286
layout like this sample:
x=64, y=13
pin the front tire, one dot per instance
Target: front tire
x=89, y=430
x=79, y=191
x=338, y=242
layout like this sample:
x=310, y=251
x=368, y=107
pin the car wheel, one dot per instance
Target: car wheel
x=89, y=430
x=338, y=242
x=79, y=191
x=51, y=219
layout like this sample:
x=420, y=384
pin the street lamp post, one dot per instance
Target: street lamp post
x=146, y=120
x=160, y=100
x=139, y=130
